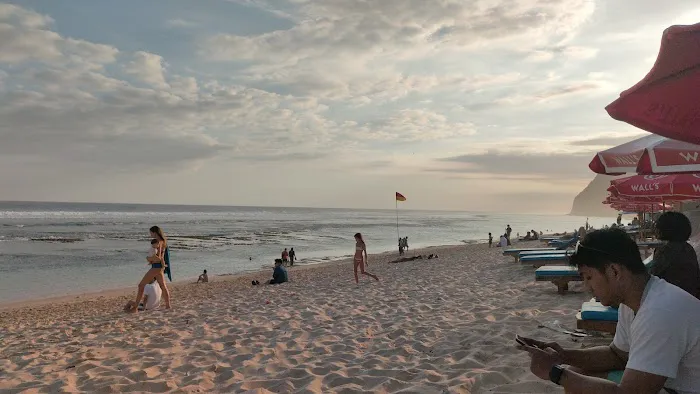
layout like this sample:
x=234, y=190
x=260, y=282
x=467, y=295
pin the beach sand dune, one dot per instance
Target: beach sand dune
x=429, y=326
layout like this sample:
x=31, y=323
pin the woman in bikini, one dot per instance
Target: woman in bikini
x=361, y=258
x=157, y=269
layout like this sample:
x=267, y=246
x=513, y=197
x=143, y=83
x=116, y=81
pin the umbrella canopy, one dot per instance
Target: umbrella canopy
x=679, y=187
x=624, y=158
x=651, y=154
x=670, y=157
x=667, y=100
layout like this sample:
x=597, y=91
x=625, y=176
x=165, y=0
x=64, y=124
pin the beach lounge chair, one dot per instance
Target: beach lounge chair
x=543, y=252
x=515, y=252
x=541, y=260
x=595, y=316
x=560, y=275
x=559, y=242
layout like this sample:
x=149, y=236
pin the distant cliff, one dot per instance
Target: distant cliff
x=590, y=201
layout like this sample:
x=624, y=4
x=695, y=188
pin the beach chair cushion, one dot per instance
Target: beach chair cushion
x=546, y=257
x=596, y=311
x=556, y=270
x=543, y=252
x=520, y=250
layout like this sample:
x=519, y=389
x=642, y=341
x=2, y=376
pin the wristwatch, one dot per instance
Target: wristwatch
x=555, y=373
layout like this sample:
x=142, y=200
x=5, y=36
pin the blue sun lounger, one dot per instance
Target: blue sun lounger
x=516, y=251
x=595, y=316
x=560, y=275
x=540, y=260
x=543, y=252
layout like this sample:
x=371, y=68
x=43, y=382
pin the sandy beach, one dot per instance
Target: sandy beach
x=429, y=326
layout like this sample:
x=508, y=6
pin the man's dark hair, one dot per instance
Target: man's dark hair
x=601, y=248
x=673, y=227
x=205, y=271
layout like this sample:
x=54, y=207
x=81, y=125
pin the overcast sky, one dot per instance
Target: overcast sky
x=489, y=105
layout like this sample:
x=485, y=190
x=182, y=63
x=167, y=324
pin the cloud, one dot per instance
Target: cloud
x=410, y=125
x=148, y=68
x=541, y=55
x=331, y=40
x=23, y=37
x=180, y=23
x=550, y=94
x=519, y=165
x=338, y=27
x=606, y=141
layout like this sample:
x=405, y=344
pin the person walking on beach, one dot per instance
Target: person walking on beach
x=508, y=231
x=490, y=240
x=157, y=270
x=360, y=259
x=292, y=257
x=285, y=256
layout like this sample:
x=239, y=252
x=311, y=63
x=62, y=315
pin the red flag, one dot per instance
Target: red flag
x=400, y=197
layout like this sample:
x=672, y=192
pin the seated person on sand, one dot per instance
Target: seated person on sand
x=279, y=275
x=676, y=261
x=657, y=341
x=204, y=278
x=151, y=298
x=534, y=235
x=503, y=241
x=527, y=237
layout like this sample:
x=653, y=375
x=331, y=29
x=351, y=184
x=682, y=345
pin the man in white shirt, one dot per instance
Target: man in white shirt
x=657, y=342
x=151, y=296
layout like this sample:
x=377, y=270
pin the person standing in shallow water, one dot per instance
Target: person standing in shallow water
x=157, y=270
x=360, y=259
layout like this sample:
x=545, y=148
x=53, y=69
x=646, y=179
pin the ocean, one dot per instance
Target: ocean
x=56, y=249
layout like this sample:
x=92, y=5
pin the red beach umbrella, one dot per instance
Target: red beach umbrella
x=667, y=100
x=670, y=157
x=678, y=187
x=651, y=154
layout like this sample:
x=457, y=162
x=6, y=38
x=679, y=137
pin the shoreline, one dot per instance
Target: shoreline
x=127, y=291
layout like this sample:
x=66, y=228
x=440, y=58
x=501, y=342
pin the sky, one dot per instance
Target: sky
x=483, y=105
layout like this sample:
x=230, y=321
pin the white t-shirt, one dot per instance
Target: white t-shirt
x=664, y=337
x=503, y=241
x=153, y=291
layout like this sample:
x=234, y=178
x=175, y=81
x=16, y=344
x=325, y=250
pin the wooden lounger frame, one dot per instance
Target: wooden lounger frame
x=595, y=325
x=562, y=282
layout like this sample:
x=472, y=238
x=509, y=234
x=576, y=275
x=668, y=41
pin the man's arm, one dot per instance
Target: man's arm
x=633, y=382
x=595, y=359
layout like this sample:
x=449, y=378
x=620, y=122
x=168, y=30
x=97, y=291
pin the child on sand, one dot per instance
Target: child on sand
x=490, y=240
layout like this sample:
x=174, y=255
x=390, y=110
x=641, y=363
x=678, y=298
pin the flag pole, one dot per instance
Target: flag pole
x=397, y=218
